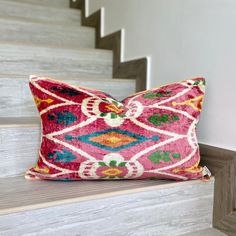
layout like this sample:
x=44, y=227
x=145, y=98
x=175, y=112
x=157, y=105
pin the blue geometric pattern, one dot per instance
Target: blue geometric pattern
x=136, y=139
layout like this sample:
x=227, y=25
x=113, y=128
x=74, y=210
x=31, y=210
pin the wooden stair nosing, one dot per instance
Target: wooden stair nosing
x=130, y=69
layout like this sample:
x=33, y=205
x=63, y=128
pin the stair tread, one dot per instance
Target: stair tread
x=45, y=34
x=69, y=49
x=39, y=13
x=28, y=59
x=52, y=3
x=161, y=207
x=58, y=26
x=19, y=194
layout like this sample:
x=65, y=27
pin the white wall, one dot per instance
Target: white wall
x=184, y=38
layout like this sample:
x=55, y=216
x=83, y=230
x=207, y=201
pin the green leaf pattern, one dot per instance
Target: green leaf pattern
x=163, y=156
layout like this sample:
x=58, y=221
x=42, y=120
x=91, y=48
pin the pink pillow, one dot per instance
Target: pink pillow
x=87, y=134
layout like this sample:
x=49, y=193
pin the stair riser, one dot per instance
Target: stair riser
x=61, y=63
x=19, y=102
x=10, y=9
x=169, y=211
x=48, y=3
x=19, y=147
x=47, y=35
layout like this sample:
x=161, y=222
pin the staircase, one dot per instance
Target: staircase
x=46, y=38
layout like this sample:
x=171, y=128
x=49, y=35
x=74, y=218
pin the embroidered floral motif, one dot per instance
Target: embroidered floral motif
x=112, y=170
x=111, y=108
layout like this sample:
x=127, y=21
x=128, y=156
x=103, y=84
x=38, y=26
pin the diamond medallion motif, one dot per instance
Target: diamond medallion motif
x=112, y=139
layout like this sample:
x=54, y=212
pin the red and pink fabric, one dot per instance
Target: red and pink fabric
x=87, y=134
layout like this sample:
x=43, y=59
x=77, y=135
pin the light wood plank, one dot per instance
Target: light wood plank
x=37, y=13
x=19, y=102
x=19, y=194
x=48, y=3
x=46, y=35
x=56, y=62
x=157, y=210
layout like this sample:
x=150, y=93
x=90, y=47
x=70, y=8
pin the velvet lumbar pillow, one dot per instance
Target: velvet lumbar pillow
x=87, y=134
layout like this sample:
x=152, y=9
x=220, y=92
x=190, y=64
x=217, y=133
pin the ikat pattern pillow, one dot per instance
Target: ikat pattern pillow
x=87, y=134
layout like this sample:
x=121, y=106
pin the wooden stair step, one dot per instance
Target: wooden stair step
x=19, y=102
x=44, y=34
x=19, y=194
x=84, y=207
x=37, y=13
x=47, y=3
x=53, y=61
